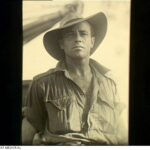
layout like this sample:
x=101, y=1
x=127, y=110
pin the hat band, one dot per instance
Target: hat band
x=70, y=21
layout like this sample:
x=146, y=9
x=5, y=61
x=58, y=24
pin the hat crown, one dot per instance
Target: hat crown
x=68, y=19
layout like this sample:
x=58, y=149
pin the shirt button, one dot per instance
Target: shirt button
x=92, y=109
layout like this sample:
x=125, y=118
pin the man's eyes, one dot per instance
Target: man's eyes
x=84, y=33
x=70, y=34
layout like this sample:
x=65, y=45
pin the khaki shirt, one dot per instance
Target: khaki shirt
x=57, y=110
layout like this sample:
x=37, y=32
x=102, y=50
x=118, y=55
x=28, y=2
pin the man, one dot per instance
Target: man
x=75, y=103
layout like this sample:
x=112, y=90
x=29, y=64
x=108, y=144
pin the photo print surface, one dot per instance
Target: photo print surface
x=75, y=72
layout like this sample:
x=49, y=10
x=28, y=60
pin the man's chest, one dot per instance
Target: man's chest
x=83, y=83
x=65, y=107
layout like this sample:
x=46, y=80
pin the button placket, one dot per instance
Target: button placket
x=89, y=115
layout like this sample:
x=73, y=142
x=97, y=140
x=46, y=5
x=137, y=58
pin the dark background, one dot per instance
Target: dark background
x=11, y=72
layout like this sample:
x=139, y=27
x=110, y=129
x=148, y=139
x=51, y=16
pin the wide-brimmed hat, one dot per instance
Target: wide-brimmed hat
x=51, y=39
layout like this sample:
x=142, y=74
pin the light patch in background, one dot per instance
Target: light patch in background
x=113, y=52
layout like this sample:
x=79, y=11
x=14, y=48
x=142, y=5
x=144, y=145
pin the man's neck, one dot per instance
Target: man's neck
x=78, y=67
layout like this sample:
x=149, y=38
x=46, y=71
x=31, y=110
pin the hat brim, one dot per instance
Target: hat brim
x=51, y=38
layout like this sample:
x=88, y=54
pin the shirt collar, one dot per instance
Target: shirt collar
x=97, y=67
x=99, y=71
x=61, y=66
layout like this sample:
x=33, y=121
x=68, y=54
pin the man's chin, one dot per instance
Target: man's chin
x=79, y=56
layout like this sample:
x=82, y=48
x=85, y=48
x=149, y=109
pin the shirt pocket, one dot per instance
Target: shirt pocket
x=59, y=103
x=63, y=114
x=57, y=114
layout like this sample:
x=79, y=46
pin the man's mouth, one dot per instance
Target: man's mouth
x=78, y=47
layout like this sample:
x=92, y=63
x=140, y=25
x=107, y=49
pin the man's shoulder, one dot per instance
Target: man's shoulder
x=103, y=72
x=44, y=75
x=99, y=67
x=51, y=73
x=111, y=75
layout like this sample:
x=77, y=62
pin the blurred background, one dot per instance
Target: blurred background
x=113, y=52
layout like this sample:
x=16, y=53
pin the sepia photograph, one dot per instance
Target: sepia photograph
x=75, y=72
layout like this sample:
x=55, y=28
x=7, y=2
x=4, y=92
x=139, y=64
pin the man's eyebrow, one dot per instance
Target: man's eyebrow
x=82, y=30
x=67, y=31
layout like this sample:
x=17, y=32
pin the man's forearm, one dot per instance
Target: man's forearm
x=28, y=132
x=44, y=23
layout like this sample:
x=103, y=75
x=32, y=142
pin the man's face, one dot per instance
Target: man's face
x=77, y=40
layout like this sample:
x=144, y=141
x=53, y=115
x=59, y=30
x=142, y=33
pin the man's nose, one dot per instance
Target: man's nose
x=78, y=37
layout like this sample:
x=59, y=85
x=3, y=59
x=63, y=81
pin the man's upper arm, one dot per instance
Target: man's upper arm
x=34, y=112
x=121, y=123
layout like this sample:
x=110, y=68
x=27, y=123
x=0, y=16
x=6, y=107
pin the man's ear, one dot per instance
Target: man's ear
x=61, y=44
x=92, y=41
